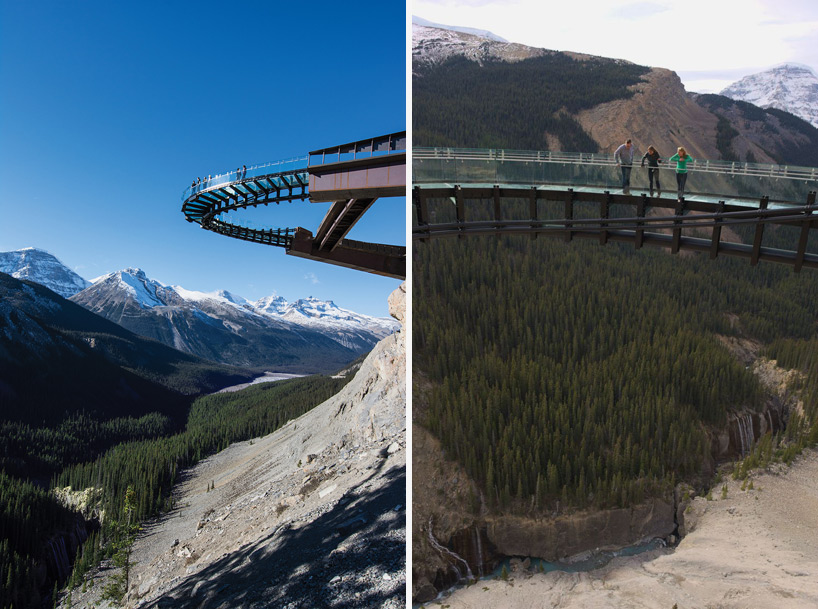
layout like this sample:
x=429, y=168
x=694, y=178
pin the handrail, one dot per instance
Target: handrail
x=295, y=165
x=789, y=172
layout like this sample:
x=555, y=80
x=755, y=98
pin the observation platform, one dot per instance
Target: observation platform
x=350, y=176
x=463, y=192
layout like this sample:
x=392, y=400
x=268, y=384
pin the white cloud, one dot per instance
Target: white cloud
x=311, y=277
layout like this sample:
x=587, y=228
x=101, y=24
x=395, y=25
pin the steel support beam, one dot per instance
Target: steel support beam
x=386, y=260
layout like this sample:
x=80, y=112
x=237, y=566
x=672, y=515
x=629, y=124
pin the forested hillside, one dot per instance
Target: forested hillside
x=762, y=127
x=89, y=402
x=514, y=105
x=580, y=375
x=149, y=466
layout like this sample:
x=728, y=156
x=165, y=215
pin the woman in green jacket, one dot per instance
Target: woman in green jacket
x=681, y=157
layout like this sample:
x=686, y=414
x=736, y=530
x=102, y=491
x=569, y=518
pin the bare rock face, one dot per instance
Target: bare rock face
x=559, y=538
x=373, y=405
x=660, y=114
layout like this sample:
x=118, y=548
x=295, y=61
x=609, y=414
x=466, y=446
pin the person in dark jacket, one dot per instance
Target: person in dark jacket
x=653, y=158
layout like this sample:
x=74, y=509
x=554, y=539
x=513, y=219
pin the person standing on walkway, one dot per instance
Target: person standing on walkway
x=653, y=158
x=624, y=159
x=681, y=158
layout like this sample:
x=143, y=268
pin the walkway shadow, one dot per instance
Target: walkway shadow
x=295, y=566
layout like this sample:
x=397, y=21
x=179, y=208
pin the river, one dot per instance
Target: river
x=267, y=377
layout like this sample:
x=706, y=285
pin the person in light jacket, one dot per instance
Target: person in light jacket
x=682, y=159
x=624, y=159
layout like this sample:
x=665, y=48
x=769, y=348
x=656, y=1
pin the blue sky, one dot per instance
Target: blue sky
x=708, y=44
x=109, y=109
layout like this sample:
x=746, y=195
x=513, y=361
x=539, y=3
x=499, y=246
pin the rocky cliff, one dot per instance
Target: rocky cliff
x=660, y=113
x=454, y=538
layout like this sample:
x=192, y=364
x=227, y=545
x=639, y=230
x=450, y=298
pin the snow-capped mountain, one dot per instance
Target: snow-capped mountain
x=790, y=87
x=351, y=329
x=41, y=267
x=306, y=336
x=227, y=328
x=433, y=44
x=457, y=28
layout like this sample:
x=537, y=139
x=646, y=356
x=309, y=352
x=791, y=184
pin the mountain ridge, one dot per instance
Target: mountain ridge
x=309, y=335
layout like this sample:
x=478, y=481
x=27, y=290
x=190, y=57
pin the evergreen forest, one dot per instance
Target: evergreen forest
x=573, y=375
x=464, y=104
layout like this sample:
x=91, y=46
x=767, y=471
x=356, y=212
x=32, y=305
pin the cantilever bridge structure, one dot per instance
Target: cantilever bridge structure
x=463, y=192
x=349, y=176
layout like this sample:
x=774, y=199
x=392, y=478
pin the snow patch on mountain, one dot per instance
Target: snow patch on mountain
x=220, y=296
x=143, y=290
x=271, y=305
x=44, y=268
x=790, y=87
x=456, y=28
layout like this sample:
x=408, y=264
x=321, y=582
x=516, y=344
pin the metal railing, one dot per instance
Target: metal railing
x=706, y=177
x=293, y=165
x=383, y=145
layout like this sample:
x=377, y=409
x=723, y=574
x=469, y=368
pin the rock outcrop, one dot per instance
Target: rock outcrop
x=660, y=113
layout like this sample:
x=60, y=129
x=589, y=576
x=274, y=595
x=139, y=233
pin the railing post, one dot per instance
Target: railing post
x=460, y=207
x=497, y=213
x=677, y=232
x=421, y=206
x=714, y=243
x=604, y=210
x=805, y=226
x=641, y=204
x=532, y=209
x=759, y=232
x=569, y=214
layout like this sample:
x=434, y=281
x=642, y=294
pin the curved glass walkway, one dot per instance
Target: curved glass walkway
x=466, y=191
x=350, y=176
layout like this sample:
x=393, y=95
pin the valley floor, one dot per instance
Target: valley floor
x=754, y=548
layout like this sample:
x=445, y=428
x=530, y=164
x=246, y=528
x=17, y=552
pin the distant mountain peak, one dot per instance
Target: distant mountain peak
x=792, y=87
x=40, y=266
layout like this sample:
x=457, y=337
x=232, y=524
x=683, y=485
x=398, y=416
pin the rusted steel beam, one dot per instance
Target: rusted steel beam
x=604, y=213
x=389, y=261
x=339, y=220
x=641, y=205
x=382, y=176
x=716, y=236
x=532, y=208
x=759, y=233
x=569, y=213
x=802, y=239
x=460, y=205
x=677, y=232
